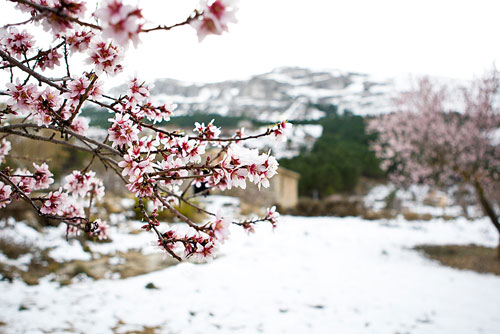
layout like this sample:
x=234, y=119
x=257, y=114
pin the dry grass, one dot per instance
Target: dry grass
x=468, y=257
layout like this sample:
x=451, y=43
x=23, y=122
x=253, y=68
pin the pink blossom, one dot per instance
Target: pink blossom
x=100, y=230
x=210, y=131
x=77, y=88
x=281, y=129
x=105, y=57
x=220, y=227
x=58, y=23
x=272, y=215
x=49, y=60
x=24, y=180
x=175, y=176
x=136, y=170
x=79, y=41
x=136, y=93
x=80, y=125
x=54, y=203
x=158, y=114
x=215, y=17
x=43, y=177
x=5, y=193
x=47, y=103
x=121, y=23
x=23, y=97
x=122, y=131
x=4, y=149
x=189, y=150
x=82, y=184
x=17, y=43
x=141, y=189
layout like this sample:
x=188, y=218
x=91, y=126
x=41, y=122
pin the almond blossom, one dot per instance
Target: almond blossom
x=122, y=131
x=24, y=180
x=78, y=86
x=23, y=97
x=79, y=41
x=17, y=43
x=272, y=215
x=209, y=132
x=4, y=149
x=5, y=193
x=121, y=23
x=55, y=203
x=220, y=227
x=105, y=57
x=101, y=230
x=159, y=165
x=281, y=129
x=83, y=184
x=49, y=60
x=43, y=177
x=216, y=15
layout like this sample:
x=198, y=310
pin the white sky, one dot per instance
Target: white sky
x=386, y=38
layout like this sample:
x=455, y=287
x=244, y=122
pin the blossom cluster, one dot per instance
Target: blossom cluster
x=216, y=15
x=156, y=164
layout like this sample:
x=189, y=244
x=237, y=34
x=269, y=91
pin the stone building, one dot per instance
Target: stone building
x=283, y=191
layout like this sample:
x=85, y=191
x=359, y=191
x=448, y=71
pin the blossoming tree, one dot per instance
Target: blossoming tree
x=444, y=137
x=158, y=167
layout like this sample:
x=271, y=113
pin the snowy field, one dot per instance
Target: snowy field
x=311, y=275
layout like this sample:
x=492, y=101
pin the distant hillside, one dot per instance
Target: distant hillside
x=284, y=93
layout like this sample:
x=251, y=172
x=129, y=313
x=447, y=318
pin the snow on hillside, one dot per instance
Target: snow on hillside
x=284, y=93
x=311, y=275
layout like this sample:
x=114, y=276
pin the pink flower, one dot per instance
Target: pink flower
x=23, y=97
x=5, y=192
x=122, y=131
x=79, y=86
x=141, y=189
x=17, y=43
x=136, y=93
x=47, y=103
x=100, y=230
x=80, y=125
x=215, y=17
x=136, y=170
x=105, y=57
x=210, y=131
x=121, y=23
x=80, y=41
x=49, y=60
x=43, y=177
x=83, y=184
x=158, y=114
x=281, y=129
x=4, y=149
x=58, y=23
x=55, y=203
x=24, y=180
x=220, y=227
x=272, y=216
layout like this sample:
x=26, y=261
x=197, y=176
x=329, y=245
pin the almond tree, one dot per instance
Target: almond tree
x=159, y=167
x=445, y=136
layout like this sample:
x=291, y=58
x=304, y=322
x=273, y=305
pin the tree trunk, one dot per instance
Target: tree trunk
x=488, y=210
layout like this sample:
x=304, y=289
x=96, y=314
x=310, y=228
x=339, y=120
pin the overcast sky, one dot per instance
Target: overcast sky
x=450, y=38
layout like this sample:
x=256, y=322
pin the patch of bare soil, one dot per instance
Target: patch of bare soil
x=468, y=257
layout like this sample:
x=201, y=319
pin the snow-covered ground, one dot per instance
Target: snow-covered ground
x=311, y=275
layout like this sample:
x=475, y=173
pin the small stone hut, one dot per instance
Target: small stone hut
x=283, y=191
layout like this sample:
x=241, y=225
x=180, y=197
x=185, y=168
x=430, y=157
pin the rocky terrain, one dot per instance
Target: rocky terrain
x=284, y=93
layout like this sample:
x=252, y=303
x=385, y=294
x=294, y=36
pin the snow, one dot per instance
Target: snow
x=311, y=275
